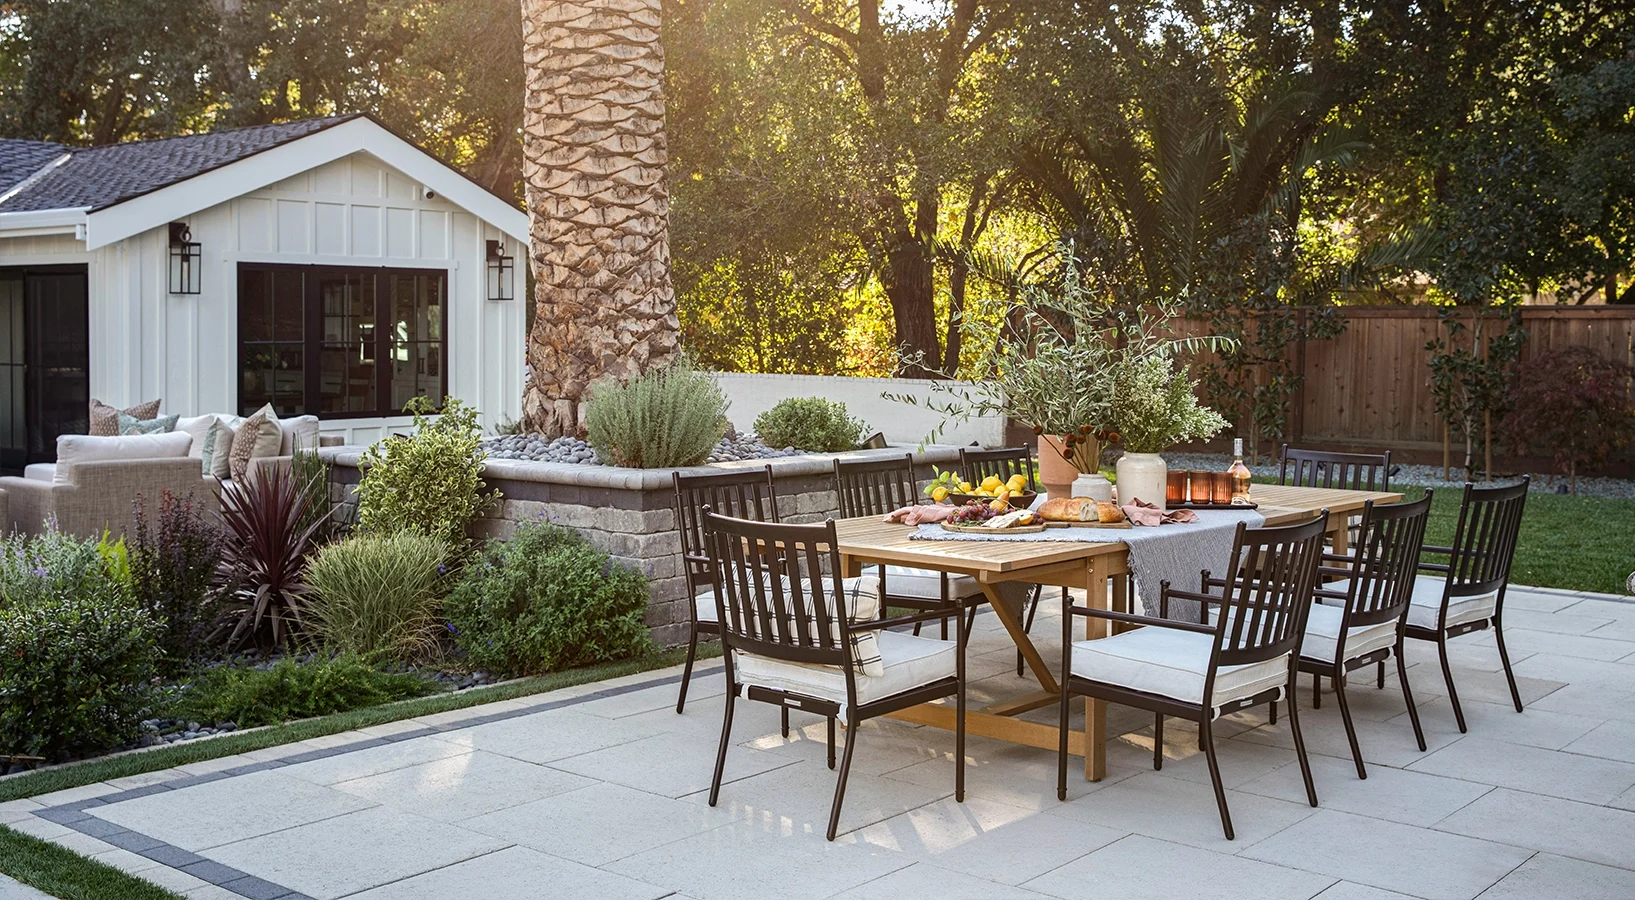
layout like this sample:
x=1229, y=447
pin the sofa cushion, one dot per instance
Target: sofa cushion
x=906, y=662
x=159, y=425
x=1173, y=663
x=218, y=447
x=198, y=428
x=300, y=431
x=105, y=418
x=46, y=472
x=79, y=448
x=1323, y=634
x=257, y=437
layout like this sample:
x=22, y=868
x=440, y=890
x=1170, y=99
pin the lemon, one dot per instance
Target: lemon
x=1017, y=483
x=992, y=483
x=939, y=493
x=964, y=487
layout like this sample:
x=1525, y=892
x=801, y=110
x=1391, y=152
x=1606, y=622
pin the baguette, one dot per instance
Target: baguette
x=1068, y=509
x=1108, y=512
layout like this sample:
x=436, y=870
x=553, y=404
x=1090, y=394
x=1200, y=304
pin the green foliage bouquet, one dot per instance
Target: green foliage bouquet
x=1155, y=406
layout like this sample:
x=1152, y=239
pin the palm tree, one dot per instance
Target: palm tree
x=594, y=161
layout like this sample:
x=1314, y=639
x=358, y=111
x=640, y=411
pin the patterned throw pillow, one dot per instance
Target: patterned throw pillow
x=258, y=437
x=105, y=419
x=160, y=425
x=862, y=597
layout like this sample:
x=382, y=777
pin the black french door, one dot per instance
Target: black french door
x=45, y=361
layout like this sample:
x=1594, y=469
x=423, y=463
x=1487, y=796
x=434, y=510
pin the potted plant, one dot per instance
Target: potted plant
x=1053, y=358
x=1155, y=406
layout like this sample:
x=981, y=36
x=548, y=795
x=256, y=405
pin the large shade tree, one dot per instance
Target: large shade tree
x=594, y=159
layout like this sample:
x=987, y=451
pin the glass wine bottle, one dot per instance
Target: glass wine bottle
x=1240, y=475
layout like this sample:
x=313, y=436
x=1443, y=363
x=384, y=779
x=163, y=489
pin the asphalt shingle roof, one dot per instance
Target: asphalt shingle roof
x=98, y=177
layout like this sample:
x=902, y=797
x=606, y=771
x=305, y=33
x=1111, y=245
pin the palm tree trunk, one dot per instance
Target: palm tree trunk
x=594, y=158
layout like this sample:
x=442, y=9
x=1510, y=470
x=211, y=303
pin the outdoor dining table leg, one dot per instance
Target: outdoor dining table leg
x=1097, y=581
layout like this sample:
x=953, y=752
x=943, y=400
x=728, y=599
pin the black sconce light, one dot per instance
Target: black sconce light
x=185, y=260
x=501, y=272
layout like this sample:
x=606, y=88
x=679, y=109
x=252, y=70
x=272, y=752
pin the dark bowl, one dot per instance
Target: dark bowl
x=1016, y=501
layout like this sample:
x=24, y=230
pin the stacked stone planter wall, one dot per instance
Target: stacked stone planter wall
x=629, y=513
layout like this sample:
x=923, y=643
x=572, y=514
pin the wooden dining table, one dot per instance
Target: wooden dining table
x=1099, y=566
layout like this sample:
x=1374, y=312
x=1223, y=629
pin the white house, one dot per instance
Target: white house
x=325, y=266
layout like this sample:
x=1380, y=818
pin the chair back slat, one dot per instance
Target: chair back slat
x=776, y=595
x=1385, y=560
x=1004, y=462
x=1484, y=540
x=742, y=494
x=1268, y=591
x=875, y=487
x=1346, y=471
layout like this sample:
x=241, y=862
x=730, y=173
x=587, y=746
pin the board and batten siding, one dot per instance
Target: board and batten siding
x=354, y=211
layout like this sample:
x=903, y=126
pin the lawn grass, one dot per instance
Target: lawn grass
x=63, y=873
x=93, y=771
x=1570, y=542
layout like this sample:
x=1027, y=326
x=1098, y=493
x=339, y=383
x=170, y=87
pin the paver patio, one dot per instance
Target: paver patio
x=600, y=791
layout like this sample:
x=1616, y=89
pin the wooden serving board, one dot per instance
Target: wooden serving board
x=1124, y=524
x=980, y=529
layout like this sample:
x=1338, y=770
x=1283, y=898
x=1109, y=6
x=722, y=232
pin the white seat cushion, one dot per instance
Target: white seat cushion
x=1426, y=603
x=704, y=604
x=40, y=472
x=907, y=662
x=1173, y=663
x=1323, y=634
x=923, y=584
x=78, y=448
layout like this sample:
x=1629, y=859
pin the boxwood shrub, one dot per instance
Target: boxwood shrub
x=546, y=600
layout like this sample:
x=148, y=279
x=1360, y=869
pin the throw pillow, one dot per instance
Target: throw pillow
x=160, y=425
x=198, y=428
x=105, y=419
x=300, y=432
x=218, y=447
x=258, y=437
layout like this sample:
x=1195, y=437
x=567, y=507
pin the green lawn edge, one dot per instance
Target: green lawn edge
x=95, y=770
x=63, y=873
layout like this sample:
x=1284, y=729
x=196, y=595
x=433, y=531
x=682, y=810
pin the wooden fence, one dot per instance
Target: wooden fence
x=1370, y=387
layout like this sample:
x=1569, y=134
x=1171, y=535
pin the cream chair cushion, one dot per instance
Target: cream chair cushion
x=906, y=662
x=704, y=606
x=1173, y=663
x=78, y=448
x=923, y=584
x=1323, y=635
x=1426, y=603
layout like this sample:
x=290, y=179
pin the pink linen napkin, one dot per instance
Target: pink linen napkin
x=920, y=514
x=1139, y=512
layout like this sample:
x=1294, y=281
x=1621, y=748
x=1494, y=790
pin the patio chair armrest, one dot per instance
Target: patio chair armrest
x=1134, y=619
x=930, y=615
x=1195, y=595
x=1342, y=573
x=1434, y=548
x=1339, y=557
x=1435, y=567
x=1332, y=595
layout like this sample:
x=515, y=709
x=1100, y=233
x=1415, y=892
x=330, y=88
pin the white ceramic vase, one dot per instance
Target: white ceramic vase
x=1093, y=485
x=1141, y=477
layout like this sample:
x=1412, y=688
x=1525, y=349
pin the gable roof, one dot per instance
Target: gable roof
x=98, y=177
x=20, y=159
x=122, y=189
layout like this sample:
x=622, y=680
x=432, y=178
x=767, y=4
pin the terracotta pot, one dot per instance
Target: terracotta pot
x=1056, y=475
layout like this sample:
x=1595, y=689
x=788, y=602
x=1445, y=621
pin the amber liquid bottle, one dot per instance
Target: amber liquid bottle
x=1240, y=474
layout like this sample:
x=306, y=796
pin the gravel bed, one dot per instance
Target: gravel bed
x=1430, y=476
x=744, y=445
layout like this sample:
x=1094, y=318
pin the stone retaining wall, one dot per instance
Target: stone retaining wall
x=629, y=513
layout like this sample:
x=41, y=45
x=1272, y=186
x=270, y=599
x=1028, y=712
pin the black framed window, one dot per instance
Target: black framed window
x=340, y=342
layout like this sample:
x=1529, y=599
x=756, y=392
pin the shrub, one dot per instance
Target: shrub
x=810, y=423
x=547, y=600
x=664, y=417
x=262, y=560
x=172, y=564
x=53, y=566
x=431, y=481
x=292, y=689
x=76, y=673
x=1573, y=405
x=377, y=594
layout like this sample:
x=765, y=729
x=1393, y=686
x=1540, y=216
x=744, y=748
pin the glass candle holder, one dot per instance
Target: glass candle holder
x=1220, y=487
x=1200, y=486
x=1175, y=488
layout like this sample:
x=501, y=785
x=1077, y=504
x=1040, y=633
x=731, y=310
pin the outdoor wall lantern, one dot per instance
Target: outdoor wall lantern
x=501, y=273
x=185, y=260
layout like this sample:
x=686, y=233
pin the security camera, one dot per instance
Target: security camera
x=427, y=193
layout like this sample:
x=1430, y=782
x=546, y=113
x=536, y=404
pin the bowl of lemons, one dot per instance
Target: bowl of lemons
x=999, y=493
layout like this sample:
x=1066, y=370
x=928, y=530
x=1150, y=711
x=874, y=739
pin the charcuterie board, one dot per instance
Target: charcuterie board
x=983, y=529
x=1124, y=524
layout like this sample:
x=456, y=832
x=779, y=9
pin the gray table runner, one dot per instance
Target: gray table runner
x=1173, y=553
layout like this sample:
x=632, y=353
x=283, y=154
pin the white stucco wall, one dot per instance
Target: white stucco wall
x=355, y=211
x=752, y=394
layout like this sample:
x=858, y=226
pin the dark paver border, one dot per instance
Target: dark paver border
x=74, y=815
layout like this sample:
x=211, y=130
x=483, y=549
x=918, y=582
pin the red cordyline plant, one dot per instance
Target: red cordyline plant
x=1573, y=405
x=263, y=560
